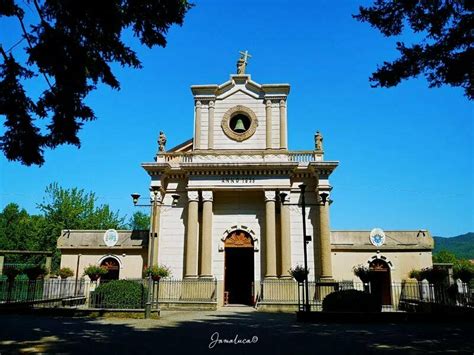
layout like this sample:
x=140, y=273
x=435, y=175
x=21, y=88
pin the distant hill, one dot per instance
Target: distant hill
x=462, y=245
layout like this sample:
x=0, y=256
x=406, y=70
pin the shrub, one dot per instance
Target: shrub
x=35, y=272
x=157, y=271
x=65, y=272
x=299, y=273
x=119, y=294
x=351, y=301
x=464, y=272
x=434, y=275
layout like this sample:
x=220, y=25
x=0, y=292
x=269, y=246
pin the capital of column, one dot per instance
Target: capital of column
x=268, y=103
x=198, y=104
x=270, y=196
x=193, y=196
x=211, y=104
x=207, y=196
x=282, y=103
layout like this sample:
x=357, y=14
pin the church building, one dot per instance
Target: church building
x=228, y=204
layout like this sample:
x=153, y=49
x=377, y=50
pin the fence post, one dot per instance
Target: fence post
x=148, y=302
x=2, y=260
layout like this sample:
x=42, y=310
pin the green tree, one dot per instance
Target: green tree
x=72, y=47
x=139, y=221
x=444, y=55
x=444, y=256
x=74, y=209
x=20, y=231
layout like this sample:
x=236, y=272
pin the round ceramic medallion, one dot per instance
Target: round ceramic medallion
x=239, y=123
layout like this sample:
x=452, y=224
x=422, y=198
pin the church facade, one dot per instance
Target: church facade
x=228, y=204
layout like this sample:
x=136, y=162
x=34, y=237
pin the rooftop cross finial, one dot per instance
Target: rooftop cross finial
x=242, y=62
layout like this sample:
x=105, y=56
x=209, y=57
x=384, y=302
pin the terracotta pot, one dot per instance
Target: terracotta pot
x=156, y=278
x=94, y=277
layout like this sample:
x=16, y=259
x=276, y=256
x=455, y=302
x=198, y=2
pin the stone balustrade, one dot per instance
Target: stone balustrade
x=300, y=156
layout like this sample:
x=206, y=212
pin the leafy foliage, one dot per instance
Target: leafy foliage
x=72, y=47
x=119, y=294
x=65, y=272
x=139, y=221
x=351, y=301
x=61, y=209
x=94, y=271
x=157, y=271
x=362, y=272
x=299, y=273
x=445, y=54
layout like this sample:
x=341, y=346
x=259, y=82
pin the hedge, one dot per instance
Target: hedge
x=122, y=294
x=351, y=301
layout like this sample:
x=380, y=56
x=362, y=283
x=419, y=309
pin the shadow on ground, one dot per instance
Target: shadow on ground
x=191, y=332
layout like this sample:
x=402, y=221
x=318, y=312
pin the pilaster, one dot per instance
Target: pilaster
x=270, y=235
x=197, y=126
x=190, y=270
x=206, y=247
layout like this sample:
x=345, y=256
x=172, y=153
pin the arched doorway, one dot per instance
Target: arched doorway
x=380, y=281
x=239, y=268
x=113, y=267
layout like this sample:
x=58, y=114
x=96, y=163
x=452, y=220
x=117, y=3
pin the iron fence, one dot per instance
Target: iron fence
x=126, y=294
x=403, y=296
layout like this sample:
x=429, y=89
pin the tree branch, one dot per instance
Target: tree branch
x=25, y=33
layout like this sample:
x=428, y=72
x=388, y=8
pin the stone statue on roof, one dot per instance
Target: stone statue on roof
x=242, y=62
x=318, y=141
x=161, y=142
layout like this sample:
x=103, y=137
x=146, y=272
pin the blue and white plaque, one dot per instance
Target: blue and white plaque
x=377, y=237
x=111, y=237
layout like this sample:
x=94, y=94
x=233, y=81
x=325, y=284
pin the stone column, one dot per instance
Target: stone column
x=285, y=238
x=206, y=247
x=190, y=267
x=270, y=237
x=210, y=128
x=197, y=126
x=283, y=139
x=325, y=235
x=268, y=123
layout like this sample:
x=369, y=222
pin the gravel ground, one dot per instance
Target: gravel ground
x=226, y=331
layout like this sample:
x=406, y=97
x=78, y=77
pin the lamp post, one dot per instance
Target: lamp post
x=306, y=238
x=152, y=237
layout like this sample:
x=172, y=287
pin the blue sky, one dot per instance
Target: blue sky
x=406, y=154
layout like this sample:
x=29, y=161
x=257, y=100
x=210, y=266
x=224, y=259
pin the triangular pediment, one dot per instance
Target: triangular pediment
x=186, y=146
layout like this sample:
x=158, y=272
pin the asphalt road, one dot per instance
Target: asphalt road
x=214, y=332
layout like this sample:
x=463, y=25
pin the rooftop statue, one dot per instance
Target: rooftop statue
x=242, y=62
x=161, y=142
x=318, y=141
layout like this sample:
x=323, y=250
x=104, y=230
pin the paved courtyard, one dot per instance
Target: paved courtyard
x=212, y=332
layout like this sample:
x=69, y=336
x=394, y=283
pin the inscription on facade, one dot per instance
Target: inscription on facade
x=238, y=180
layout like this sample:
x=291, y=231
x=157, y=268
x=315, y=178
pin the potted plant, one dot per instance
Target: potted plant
x=11, y=273
x=416, y=274
x=157, y=272
x=35, y=272
x=299, y=273
x=65, y=272
x=95, y=272
x=363, y=273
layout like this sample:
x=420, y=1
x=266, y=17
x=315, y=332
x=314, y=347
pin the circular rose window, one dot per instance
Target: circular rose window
x=239, y=123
